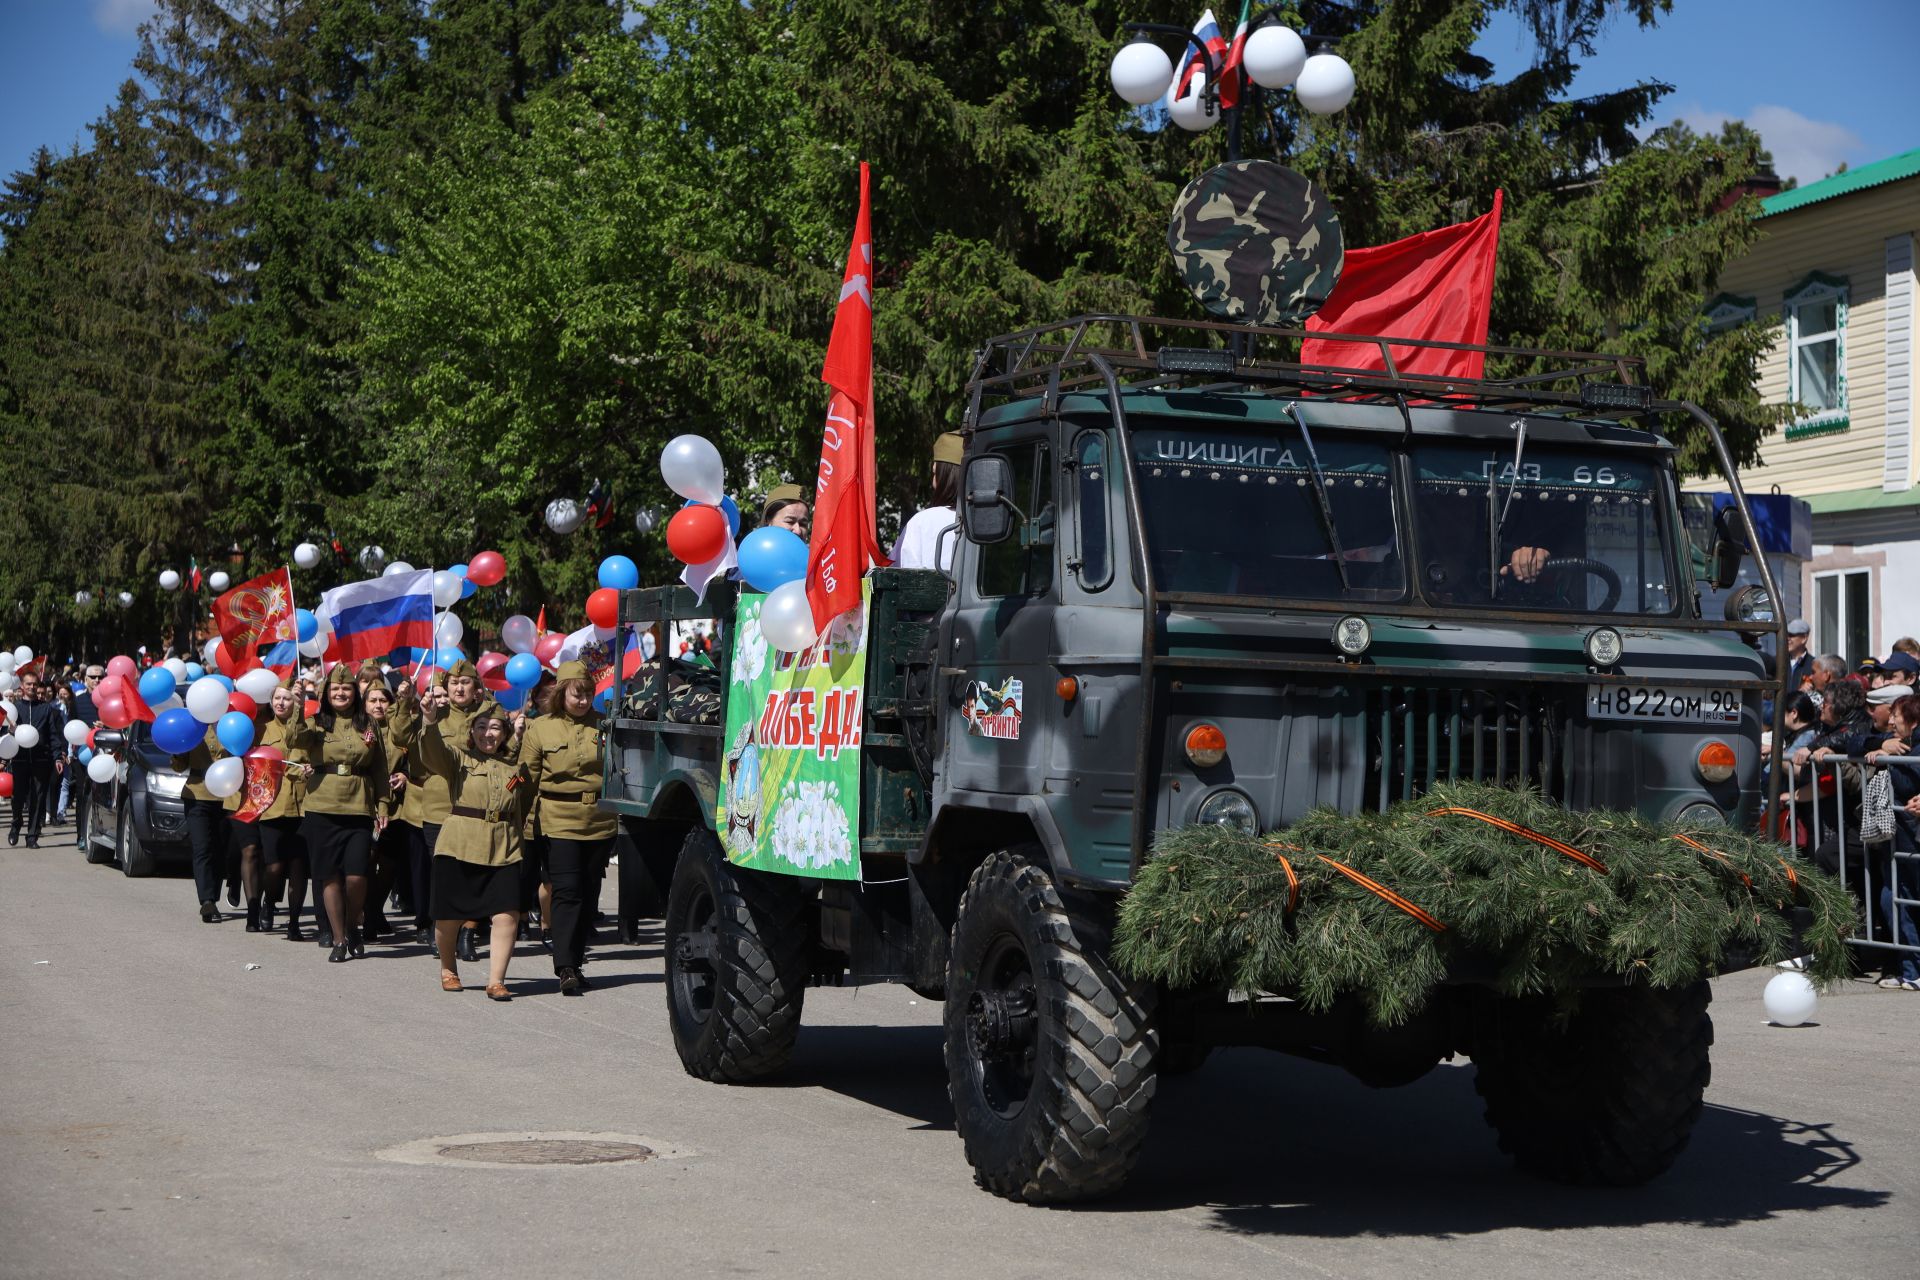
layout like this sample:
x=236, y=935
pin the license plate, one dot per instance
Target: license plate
x=1655, y=703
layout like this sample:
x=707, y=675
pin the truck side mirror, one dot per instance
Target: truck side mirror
x=1728, y=549
x=986, y=509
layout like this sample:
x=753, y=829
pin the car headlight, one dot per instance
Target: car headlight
x=1701, y=815
x=167, y=784
x=1750, y=603
x=1229, y=809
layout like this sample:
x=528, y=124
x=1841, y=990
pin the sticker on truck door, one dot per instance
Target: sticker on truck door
x=991, y=712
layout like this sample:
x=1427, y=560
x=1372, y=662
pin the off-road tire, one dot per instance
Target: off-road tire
x=1092, y=1072
x=734, y=999
x=1608, y=1100
x=132, y=855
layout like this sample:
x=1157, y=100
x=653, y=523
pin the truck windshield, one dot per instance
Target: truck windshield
x=1584, y=531
x=1231, y=512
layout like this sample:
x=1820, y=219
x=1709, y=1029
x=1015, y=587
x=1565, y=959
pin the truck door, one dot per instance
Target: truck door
x=999, y=697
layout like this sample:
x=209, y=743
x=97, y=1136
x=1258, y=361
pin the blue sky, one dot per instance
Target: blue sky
x=1824, y=81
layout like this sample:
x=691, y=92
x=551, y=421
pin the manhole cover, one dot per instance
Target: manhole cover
x=548, y=1151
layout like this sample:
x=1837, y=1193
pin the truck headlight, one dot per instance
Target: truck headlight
x=1229, y=809
x=1701, y=815
x=1752, y=603
x=1604, y=646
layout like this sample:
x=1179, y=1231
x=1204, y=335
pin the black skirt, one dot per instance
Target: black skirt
x=470, y=891
x=338, y=845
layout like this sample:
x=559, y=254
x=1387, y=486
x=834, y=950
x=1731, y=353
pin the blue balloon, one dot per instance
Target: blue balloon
x=728, y=508
x=157, y=685
x=86, y=754
x=225, y=680
x=772, y=557
x=511, y=699
x=194, y=671
x=235, y=731
x=523, y=671
x=445, y=658
x=458, y=570
x=176, y=732
x=619, y=573
x=305, y=625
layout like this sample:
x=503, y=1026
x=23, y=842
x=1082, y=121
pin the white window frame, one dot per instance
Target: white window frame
x=1827, y=643
x=1816, y=290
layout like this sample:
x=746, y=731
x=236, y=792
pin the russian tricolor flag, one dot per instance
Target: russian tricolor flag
x=1190, y=73
x=373, y=618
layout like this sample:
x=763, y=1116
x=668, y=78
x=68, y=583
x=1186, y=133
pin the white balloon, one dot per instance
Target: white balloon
x=103, y=767
x=75, y=733
x=177, y=668
x=519, y=634
x=786, y=618
x=1274, y=56
x=7, y=661
x=645, y=518
x=692, y=468
x=372, y=558
x=564, y=515
x=27, y=736
x=314, y=648
x=8, y=682
x=23, y=655
x=218, y=580
x=207, y=699
x=447, y=631
x=258, y=685
x=1196, y=113
x=1326, y=84
x=1141, y=72
x=9, y=746
x=225, y=775
x=446, y=589
x=124, y=600
x=306, y=555
x=1789, y=999
x=169, y=580
x=207, y=659
x=172, y=700
x=83, y=598
x=397, y=568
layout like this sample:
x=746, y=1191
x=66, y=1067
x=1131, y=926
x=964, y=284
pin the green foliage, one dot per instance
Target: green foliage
x=1210, y=908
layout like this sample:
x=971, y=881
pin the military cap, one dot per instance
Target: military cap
x=463, y=668
x=572, y=669
x=779, y=496
x=339, y=674
x=949, y=446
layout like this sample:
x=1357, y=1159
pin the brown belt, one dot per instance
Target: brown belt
x=468, y=811
x=584, y=796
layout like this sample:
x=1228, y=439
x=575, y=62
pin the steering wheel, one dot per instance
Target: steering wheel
x=1599, y=569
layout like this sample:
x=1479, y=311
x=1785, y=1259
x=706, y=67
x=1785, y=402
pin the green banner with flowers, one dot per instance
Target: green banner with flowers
x=790, y=774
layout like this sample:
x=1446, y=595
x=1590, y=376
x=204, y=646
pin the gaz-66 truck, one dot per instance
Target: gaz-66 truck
x=1194, y=581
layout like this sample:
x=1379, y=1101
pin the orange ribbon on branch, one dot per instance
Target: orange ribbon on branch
x=1525, y=833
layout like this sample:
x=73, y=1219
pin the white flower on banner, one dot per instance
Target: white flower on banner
x=848, y=633
x=810, y=827
x=751, y=658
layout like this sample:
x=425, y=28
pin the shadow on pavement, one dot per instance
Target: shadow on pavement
x=897, y=1069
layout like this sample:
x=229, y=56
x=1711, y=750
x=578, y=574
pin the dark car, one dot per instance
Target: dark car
x=139, y=819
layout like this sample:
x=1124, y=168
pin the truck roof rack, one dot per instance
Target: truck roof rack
x=1152, y=353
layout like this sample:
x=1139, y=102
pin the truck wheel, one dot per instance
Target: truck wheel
x=737, y=944
x=1610, y=1098
x=133, y=856
x=1051, y=1056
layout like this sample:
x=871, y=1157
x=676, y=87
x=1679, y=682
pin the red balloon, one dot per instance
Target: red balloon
x=243, y=703
x=486, y=569
x=312, y=709
x=492, y=676
x=696, y=534
x=6, y=785
x=123, y=667
x=603, y=610
x=113, y=712
x=264, y=752
x=92, y=731
x=548, y=646
x=422, y=677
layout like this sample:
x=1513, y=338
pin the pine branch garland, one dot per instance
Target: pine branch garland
x=1210, y=908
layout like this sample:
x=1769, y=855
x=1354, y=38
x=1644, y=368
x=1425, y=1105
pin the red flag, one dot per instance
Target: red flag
x=1231, y=73
x=540, y=623
x=846, y=535
x=1436, y=286
x=193, y=571
x=256, y=612
x=263, y=774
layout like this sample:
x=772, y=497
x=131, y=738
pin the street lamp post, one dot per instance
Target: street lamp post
x=1274, y=57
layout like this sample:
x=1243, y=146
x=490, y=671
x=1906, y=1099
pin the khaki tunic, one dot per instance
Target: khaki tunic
x=349, y=771
x=409, y=729
x=293, y=783
x=563, y=758
x=490, y=792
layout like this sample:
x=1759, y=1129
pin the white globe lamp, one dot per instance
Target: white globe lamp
x=306, y=555
x=169, y=580
x=218, y=581
x=1325, y=84
x=1196, y=112
x=1274, y=56
x=1141, y=72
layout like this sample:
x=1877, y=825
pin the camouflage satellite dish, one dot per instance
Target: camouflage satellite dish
x=1256, y=242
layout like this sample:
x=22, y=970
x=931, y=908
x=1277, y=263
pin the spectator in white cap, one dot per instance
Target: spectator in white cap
x=1800, y=662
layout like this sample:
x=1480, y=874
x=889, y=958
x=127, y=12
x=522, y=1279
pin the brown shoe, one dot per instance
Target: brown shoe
x=450, y=981
x=498, y=991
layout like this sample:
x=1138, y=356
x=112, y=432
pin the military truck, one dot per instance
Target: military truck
x=1196, y=581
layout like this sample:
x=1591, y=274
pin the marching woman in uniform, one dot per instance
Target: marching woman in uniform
x=562, y=754
x=206, y=824
x=345, y=807
x=283, y=854
x=245, y=836
x=390, y=845
x=476, y=860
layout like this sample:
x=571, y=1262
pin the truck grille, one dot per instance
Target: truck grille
x=1420, y=736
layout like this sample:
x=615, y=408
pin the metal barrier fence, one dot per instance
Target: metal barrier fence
x=1824, y=822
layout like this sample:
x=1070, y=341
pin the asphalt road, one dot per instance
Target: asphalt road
x=166, y=1111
